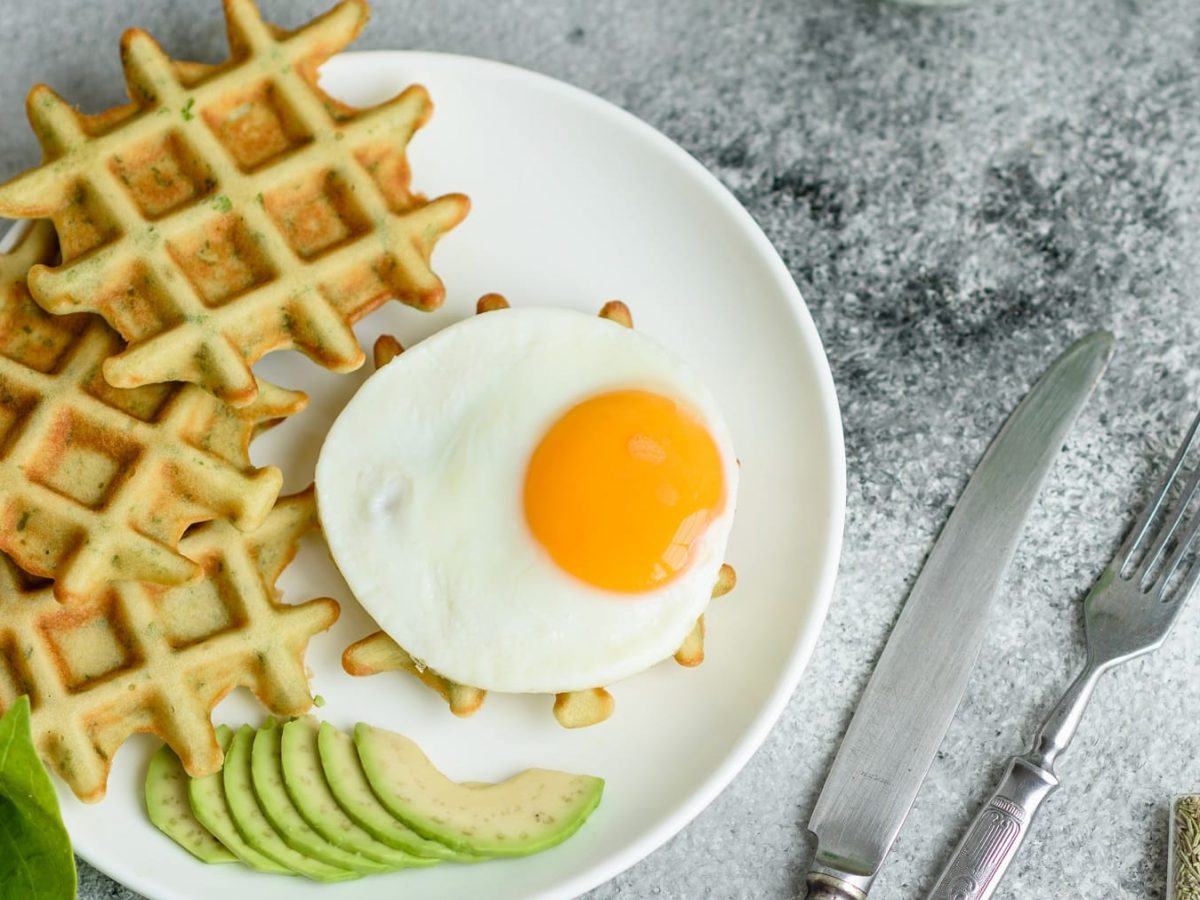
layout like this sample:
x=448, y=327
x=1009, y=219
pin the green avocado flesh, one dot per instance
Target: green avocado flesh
x=306, y=799
x=266, y=770
x=209, y=806
x=254, y=826
x=305, y=782
x=171, y=812
x=349, y=785
x=531, y=811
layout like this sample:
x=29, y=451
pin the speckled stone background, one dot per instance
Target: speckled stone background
x=958, y=195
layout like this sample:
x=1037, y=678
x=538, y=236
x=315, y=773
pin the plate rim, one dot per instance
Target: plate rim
x=801, y=652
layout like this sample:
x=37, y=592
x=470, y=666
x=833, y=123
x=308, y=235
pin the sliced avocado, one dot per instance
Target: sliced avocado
x=309, y=791
x=248, y=816
x=531, y=811
x=169, y=809
x=211, y=809
x=349, y=785
x=266, y=771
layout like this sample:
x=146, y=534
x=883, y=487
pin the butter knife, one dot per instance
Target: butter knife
x=920, y=677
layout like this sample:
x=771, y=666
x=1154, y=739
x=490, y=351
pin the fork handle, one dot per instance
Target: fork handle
x=991, y=843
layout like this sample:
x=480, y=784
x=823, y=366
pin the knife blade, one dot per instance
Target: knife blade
x=920, y=677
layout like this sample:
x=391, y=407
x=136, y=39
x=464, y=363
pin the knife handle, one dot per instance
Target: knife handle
x=983, y=855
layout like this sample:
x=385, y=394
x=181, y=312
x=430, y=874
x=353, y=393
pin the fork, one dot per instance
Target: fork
x=1129, y=611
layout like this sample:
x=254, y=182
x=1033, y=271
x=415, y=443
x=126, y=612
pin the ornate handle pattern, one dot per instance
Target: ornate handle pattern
x=983, y=855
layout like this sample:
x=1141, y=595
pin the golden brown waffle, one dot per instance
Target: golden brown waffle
x=579, y=709
x=691, y=652
x=574, y=709
x=98, y=484
x=377, y=652
x=144, y=658
x=229, y=211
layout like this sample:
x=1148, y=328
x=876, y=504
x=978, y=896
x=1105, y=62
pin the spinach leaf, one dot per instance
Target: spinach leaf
x=36, y=862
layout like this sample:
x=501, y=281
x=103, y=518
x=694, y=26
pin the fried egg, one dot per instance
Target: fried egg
x=531, y=500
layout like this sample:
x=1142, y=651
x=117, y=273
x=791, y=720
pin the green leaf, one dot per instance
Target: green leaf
x=36, y=862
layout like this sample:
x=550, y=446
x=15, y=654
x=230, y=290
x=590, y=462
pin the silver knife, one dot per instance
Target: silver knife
x=920, y=677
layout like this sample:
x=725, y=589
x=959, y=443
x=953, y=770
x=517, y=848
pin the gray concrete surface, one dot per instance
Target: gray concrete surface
x=958, y=195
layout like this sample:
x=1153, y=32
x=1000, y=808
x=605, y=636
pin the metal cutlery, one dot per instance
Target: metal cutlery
x=1129, y=611
x=919, y=679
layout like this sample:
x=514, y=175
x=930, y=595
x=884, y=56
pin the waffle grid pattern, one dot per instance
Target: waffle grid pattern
x=233, y=210
x=98, y=484
x=144, y=658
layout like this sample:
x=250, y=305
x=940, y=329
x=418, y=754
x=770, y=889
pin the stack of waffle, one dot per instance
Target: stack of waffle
x=224, y=212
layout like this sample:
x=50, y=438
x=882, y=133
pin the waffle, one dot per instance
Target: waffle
x=228, y=211
x=691, y=652
x=146, y=658
x=579, y=709
x=98, y=484
x=378, y=652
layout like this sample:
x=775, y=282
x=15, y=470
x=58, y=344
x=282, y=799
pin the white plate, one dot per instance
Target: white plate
x=574, y=202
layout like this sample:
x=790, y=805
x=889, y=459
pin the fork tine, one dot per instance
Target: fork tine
x=1141, y=528
x=1162, y=539
x=1177, y=555
x=1186, y=586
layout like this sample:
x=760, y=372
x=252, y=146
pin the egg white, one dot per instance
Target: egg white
x=419, y=486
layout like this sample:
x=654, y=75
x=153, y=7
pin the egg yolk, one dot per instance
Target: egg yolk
x=621, y=487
